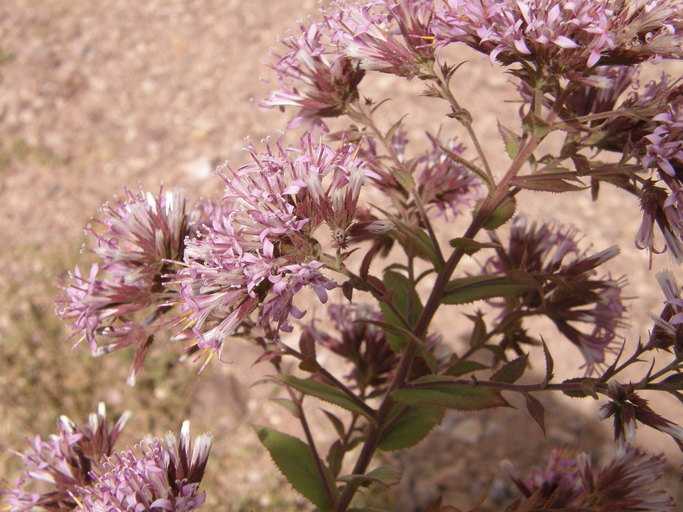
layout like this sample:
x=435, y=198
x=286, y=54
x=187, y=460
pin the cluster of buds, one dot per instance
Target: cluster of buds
x=365, y=346
x=631, y=481
x=568, y=293
x=626, y=406
x=444, y=187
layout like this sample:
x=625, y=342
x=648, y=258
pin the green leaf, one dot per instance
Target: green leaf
x=336, y=423
x=472, y=246
x=402, y=296
x=415, y=241
x=512, y=371
x=502, y=214
x=410, y=426
x=441, y=391
x=289, y=405
x=327, y=393
x=384, y=475
x=294, y=458
x=478, y=336
x=511, y=139
x=535, y=124
x=464, y=367
x=404, y=179
x=469, y=289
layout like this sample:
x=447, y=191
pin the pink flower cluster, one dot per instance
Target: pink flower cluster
x=80, y=470
x=157, y=475
x=122, y=301
x=65, y=462
x=264, y=251
x=565, y=38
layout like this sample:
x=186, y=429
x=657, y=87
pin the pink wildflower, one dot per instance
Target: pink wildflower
x=314, y=76
x=65, y=462
x=158, y=475
x=387, y=36
x=565, y=38
x=261, y=254
x=123, y=299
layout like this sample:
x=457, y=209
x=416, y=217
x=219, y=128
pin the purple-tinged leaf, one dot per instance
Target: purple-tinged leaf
x=549, y=363
x=512, y=371
x=536, y=410
x=548, y=182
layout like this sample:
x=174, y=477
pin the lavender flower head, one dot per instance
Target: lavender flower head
x=157, y=475
x=261, y=254
x=570, y=293
x=388, y=36
x=630, y=482
x=65, y=462
x=668, y=328
x=627, y=407
x=314, y=76
x=121, y=302
x=564, y=38
x=444, y=187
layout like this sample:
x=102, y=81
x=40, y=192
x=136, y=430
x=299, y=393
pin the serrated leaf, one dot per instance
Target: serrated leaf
x=549, y=182
x=444, y=392
x=403, y=295
x=404, y=179
x=512, y=371
x=326, y=393
x=289, y=405
x=465, y=367
x=503, y=213
x=336, y=423
x=511, y=140
x=472, y=246
x=415, y=241
x=478, y=336
x=469, y=289
x=295, y=460
x=536, y=410
x=384, y=475
x=410, y=427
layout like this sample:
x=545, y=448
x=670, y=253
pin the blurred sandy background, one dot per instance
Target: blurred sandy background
x=97, y=96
